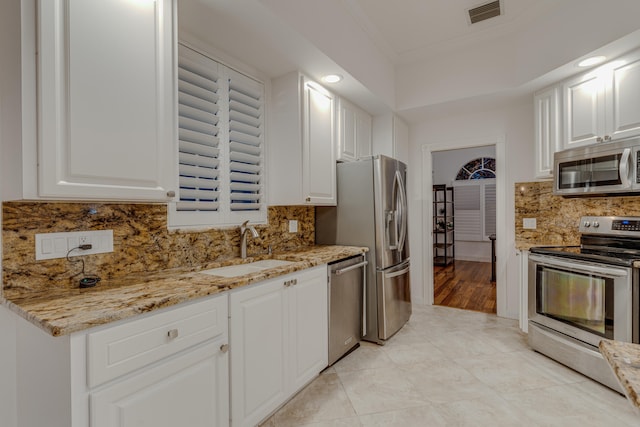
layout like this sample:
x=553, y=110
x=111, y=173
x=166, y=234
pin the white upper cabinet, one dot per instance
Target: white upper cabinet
x=547, y=130
x=584, y=110
x=354, y=132
x=106, y=107
x=391, y=137
x=603, y=104
x=623, y=97
x=302, y=163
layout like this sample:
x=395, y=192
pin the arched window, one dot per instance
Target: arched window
x=481, y=168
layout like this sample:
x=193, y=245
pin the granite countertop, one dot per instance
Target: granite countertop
x=63, y=311
x=624, y=359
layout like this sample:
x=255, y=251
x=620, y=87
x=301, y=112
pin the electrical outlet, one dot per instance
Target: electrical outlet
x=293, y=226
x=58, y=245
x=529, y=223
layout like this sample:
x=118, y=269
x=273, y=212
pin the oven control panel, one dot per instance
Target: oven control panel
x=626, y=225
x=610, y=225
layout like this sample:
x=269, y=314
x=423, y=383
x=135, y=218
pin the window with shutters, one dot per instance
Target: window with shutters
x=220, y=145
x=475, y=200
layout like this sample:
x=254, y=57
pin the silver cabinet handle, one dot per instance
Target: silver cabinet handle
x=291, y=282
x=599, y=139
x=224, y=348
x=172, y=334
x=607, y=138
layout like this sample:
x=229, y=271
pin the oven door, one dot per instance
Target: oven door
x=584, y=300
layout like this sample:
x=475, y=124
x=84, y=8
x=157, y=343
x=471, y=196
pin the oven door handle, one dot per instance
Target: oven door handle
x=579, y=267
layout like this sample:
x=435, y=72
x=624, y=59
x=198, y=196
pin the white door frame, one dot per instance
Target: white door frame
x=501, y=226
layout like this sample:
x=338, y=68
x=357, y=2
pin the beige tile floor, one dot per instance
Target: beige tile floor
x=450, y=367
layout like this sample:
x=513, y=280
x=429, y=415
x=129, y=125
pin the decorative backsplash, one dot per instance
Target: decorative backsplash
x=558, y=217
x=141, y=240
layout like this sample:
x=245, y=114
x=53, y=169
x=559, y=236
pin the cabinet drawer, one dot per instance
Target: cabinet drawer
x=121, y=349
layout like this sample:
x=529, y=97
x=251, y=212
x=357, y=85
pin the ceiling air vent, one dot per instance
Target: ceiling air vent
x=485, y=11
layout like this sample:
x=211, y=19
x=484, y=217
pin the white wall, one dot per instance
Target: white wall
x=512, y=120
x=10, y=183
x=10, y=123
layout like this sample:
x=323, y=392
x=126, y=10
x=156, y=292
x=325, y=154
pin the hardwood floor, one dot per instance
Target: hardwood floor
x=466, y=285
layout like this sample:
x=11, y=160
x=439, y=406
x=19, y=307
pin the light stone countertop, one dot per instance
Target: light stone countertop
x=64, y=311
x=624, y=359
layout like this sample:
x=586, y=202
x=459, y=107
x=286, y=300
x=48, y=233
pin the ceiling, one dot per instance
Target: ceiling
x=414, y=56
x=411, y=30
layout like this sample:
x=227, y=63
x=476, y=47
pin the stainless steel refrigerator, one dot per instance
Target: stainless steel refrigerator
x=372, y=212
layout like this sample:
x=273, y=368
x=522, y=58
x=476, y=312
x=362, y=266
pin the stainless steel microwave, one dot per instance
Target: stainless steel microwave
x=609, y=168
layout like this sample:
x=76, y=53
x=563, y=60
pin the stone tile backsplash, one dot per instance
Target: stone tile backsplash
x=558, y=217
x=141, y=240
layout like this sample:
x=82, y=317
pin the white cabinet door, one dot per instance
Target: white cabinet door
x=391, y=137
x=278, y=342
x=105, y=99
x=301, y=166
x=309, y=326
x=191, y=390
x=584, y=110
x=354, y=132
x=547, y=130
x=364, y=123
x=259, y=354
x=318, y=145
x=623, y=98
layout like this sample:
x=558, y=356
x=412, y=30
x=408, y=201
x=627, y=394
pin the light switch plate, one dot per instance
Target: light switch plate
x=529, y=223
x=57, y=245
x=293, y=226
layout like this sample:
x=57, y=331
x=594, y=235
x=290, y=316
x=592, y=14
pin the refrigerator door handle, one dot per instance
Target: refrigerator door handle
x=402, y=209
x=395, y=215
x=397, y=273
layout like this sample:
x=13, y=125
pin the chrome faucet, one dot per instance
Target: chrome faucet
x=244, y=228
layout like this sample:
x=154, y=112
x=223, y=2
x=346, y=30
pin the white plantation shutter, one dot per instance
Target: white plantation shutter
x=220, y=145
x=246, y=140
x=467, y=212
x=489, y=210
x=475, y=209
x=198, y=132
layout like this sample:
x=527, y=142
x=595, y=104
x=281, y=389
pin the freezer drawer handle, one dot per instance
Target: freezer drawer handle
x=351, y=267
x=397, y=273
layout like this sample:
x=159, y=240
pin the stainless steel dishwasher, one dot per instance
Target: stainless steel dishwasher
x=347, y=283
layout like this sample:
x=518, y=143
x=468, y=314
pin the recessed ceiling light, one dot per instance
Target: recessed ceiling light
x=332, y=78
x=594, y=60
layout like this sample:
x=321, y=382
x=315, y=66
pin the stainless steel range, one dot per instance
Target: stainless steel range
x=581, y=294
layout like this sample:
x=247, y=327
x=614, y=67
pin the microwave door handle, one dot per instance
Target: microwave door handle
x=624, y=168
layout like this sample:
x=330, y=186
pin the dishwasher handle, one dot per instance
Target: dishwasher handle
x=349, y=268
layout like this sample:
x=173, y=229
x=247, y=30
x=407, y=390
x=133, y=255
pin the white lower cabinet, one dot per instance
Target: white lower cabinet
x=169, y=368
x=279, y=341
x=190, y=390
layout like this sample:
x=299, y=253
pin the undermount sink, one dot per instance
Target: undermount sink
x=242, y=269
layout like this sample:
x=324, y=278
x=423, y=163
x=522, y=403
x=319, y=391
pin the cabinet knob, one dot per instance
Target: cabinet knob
x=171, y=193
x=607, y=138
x=308, y=199
x=224, y=348
x=599, y=139
x=172, y=334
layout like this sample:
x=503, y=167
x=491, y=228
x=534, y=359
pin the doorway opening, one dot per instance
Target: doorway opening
x=464, y=227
